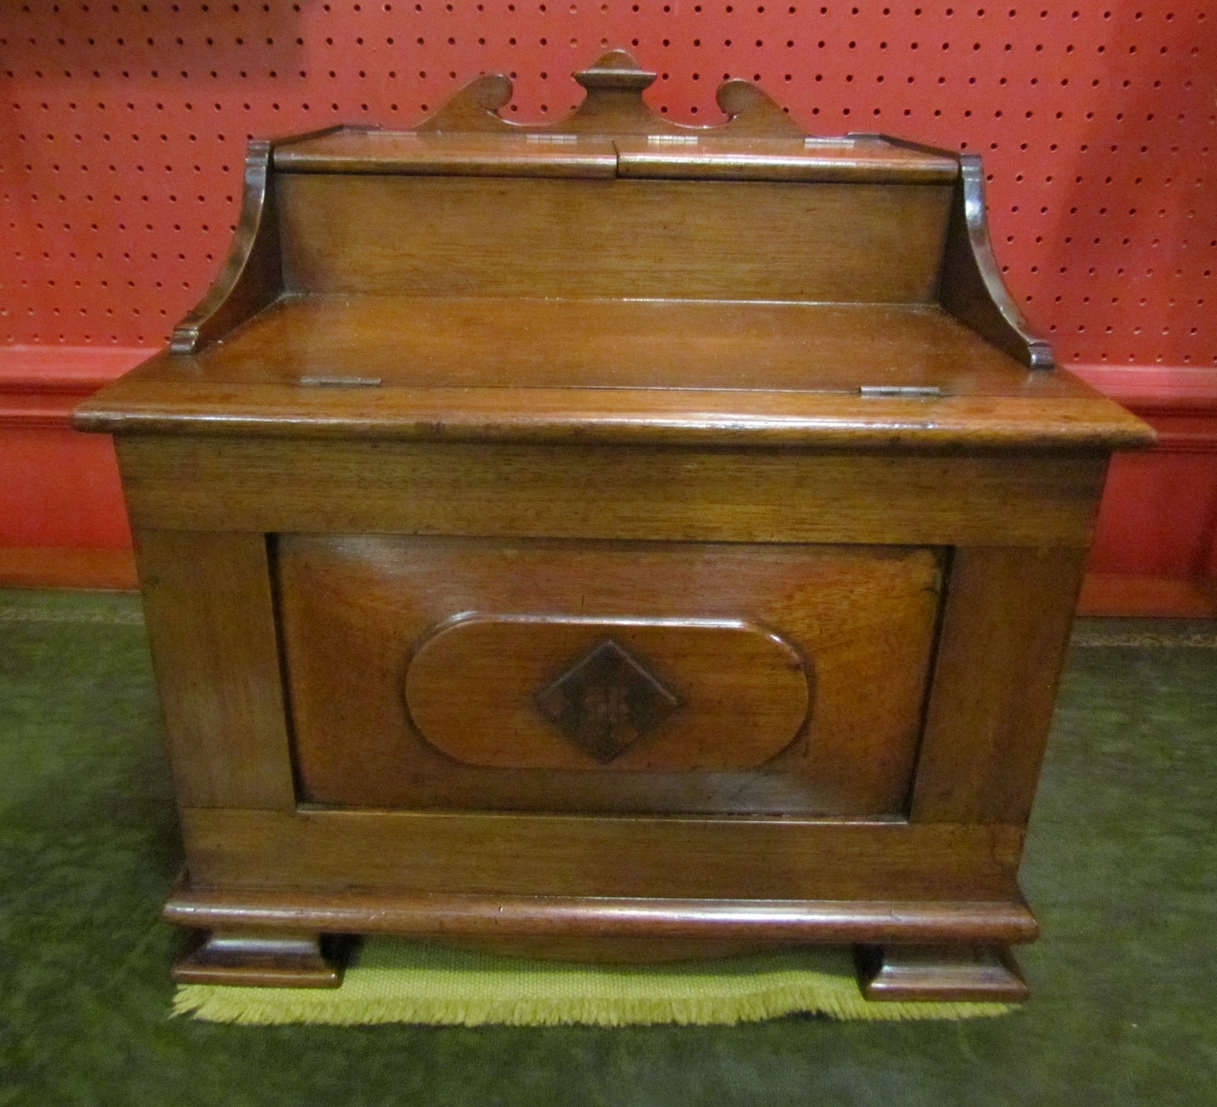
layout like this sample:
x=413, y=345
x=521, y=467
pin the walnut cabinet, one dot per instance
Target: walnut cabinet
x=610, y=539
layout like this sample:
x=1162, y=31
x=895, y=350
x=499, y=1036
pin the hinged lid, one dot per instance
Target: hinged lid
x=613, y=276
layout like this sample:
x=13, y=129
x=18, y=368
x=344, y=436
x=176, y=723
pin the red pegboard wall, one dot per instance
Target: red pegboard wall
x=124, y=126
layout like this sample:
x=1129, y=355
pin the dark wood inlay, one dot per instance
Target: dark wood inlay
x=606, y=701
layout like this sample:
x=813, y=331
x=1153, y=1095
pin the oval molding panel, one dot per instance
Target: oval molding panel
x=580, y=692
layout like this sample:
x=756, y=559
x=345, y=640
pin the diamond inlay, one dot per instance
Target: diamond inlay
x=606, y=701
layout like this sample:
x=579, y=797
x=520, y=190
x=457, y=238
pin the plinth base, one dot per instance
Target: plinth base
x=940, y=973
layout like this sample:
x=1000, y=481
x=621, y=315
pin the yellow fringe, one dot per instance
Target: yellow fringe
x=394, y=980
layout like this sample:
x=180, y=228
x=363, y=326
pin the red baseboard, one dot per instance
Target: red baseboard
x=67, y=567
x=1110, y=594
x=63, y=524
x=58, y=487
x=39, y=385
x=1155, y=546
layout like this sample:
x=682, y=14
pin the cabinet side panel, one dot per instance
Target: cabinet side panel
x=211, y=625
x=1005, y=632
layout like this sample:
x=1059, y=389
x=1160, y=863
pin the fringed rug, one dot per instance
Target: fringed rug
x=394, y=980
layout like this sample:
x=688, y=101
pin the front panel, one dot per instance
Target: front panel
x=478, y=674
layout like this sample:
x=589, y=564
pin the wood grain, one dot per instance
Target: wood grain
x=951, y=974
x=613, y=105
x=511, y=342
x=461, y=154
x=473, y=109
x=353, y=609
x=210, y=619
x=252, y=275
x=861, y=160
x=972, y=288
x=628, y=371
x=1028, y=424
x=466, y=236
x=739, y=693
x=680, y=857
x=246, y=958
x=1005, y=632
x=651, y=919
x=479, y=393
x=266, y=485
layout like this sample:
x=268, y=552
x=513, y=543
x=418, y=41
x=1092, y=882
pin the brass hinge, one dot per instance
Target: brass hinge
x=922, y=391
x=340, y=382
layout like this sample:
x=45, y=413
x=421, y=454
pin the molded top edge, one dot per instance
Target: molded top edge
x=614, y=132
x=863, y=158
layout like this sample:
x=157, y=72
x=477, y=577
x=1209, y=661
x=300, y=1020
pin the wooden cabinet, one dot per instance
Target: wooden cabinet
x=614, y=536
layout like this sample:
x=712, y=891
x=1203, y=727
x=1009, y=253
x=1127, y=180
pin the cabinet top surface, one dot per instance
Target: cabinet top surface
x=827, y=375
x=521, y=342
x=737, y=284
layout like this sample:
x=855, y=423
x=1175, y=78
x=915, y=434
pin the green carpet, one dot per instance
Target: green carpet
x=394, y=980
x=1121, y=868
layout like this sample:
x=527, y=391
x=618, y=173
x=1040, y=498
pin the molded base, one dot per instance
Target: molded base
x=942, y=973
x=248, y=959
x=913, y=950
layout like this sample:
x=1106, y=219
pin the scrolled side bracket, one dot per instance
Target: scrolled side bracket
x=972, y=288
x=252, y=276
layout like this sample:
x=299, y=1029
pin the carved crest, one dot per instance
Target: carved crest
x=614, y=105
